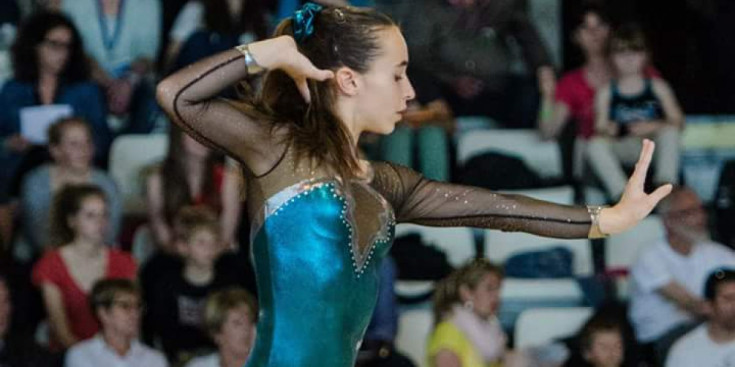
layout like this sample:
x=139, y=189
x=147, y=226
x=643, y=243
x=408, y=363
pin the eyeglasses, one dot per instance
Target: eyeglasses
x=129, y=305
x=57, y=45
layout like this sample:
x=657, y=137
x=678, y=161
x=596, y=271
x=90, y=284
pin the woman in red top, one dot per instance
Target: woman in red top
x=66, y=274
x=191, y=174
x=573, y=97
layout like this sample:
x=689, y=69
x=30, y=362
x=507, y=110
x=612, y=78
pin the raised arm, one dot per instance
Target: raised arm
x=418, y=200
x=190, y=97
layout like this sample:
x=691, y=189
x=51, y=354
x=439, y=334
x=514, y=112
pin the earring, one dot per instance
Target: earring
x=469, y=305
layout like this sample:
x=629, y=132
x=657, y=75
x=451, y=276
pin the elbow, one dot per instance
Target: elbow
x=166, y=94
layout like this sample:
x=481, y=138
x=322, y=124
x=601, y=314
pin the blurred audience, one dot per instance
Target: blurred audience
x=18, y=350
x=467, y=332
x=72, y=149
x=632, y=108
x=177, y=298
x=122, y=38
x=668, y=278
x=712, y=343
x=230, y=316
x=116, y=304
x=466, y=45
x=51, y=80
x=191, y=174
x=80, y=258
x=204, y=28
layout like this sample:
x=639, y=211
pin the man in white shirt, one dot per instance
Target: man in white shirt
x=116, y=303
x=668, y=278
x=713, y=343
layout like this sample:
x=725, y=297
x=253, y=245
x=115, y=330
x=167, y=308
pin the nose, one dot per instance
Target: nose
x=410, y=93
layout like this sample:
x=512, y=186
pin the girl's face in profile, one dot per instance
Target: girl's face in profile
x=53, y=51
x=90, y=222
x=385, y=89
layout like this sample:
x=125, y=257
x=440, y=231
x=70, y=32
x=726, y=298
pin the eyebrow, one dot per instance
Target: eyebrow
x=403, y=63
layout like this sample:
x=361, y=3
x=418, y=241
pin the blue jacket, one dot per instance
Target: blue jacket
x=85, y=98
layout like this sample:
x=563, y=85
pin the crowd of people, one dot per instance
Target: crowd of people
x=85, y=72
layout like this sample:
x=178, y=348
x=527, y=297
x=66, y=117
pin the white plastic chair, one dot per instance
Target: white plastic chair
x=537, y=327
x=621, y=250
x=129, y=155
x=499, y=246
x=414, y=328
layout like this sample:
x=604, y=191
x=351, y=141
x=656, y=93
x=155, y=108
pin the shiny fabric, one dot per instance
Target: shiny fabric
x=317, y=239
x=317, y=290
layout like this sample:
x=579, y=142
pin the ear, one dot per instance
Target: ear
x=348, y=81
x=465, y=294
x=55, y=152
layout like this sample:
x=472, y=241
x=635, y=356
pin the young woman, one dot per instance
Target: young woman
x=322, y=218
x=71, y=147
x=66, y=274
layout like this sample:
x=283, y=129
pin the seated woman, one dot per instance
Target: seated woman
x=230, y=316
x=467, y=332
x=66, y=274
x=51, y=80
x=204, y=28
x=71, y=146
x=191, y=174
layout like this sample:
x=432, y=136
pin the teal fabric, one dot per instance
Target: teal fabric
x=303, y=252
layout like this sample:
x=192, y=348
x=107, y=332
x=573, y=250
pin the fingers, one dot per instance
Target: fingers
x=644, y=161
x=303, y=87
x=660, y=193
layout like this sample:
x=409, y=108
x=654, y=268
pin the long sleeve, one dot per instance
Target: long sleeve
x=190, y=97
x=534, y=50
x=416, y=199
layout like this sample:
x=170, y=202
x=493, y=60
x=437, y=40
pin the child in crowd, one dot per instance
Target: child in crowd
x=634, y=107
x=177, y=298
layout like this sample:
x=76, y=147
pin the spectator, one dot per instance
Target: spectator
x=122, y=38
x=712, y=343
x=209, y=27
x=191, y=174
x=601, y=343
x=632, y=108
x=117, y=305
x=176, y=306
x=71, y=146
x=668, y=277
x=17, y=350
x=230, y=316
x=465, y=44
x=49, y=69
x=467, y=331
x=66, y=274
x=573, y=97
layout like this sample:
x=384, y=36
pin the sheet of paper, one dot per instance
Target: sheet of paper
x=35, y=121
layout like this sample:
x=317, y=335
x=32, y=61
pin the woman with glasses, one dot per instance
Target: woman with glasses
x=50, y=80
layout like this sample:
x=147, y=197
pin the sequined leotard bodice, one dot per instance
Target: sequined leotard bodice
x=317, y=239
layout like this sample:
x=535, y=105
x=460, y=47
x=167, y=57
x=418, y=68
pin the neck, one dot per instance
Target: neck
x=109, y=7
x=198, y=275
x=230, y=358
x=680, y=244
x=597, y=62
x=71, y=173
x=86, y=247
x=629, y=79
x=719, y=334
x=118, y=343
x=47, y=77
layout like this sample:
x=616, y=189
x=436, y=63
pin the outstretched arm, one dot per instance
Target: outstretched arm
x=418, y=200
